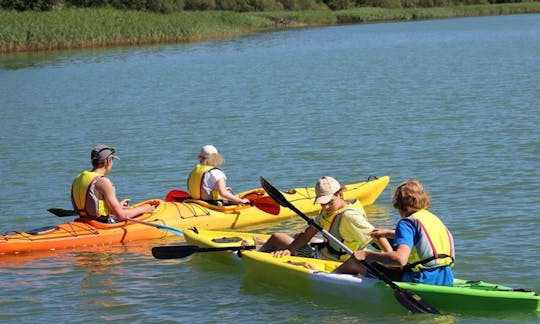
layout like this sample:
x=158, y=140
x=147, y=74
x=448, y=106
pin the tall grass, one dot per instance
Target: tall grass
x=366, y=15
x=82, y=28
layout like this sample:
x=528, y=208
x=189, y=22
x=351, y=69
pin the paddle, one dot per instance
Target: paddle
x=408, y=299
x=264, y=203
x=64, y=213
x=182, y=251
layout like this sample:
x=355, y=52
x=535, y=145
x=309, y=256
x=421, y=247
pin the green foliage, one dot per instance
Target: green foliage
x=299, y=5
x=169, y=6
x=200, y=4
x=39, y=5
x=384, y=3
x=433, y=3
x=129, y=4
x=340, y=4
x=97, y=27
x=86, y=3
x=249, y=5
x=18, y=5
x=165, y=6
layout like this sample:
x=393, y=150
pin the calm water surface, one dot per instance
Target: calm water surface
x=454, y=103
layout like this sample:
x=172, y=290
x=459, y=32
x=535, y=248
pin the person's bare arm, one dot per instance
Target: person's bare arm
x=226, y=194
x=119, y=209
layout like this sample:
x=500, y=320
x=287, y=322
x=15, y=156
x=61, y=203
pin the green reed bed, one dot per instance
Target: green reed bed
x=366, y=15
x=372, y=15
x=82, y=28
x=299, y=18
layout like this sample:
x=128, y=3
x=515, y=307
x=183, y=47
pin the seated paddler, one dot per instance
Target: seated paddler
x=208, y=182
x=423, y=246
x=345, y=220
x=93, y=194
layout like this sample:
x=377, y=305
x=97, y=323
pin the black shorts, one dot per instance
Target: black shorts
x=307, y=251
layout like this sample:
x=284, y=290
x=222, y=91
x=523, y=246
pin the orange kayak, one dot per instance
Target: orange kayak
x=169, y=216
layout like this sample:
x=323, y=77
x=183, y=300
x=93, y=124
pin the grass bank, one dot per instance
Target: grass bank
x=87, y=28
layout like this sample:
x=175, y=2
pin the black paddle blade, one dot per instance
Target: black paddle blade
x=182, y=251
x=277, y=196
x=62, y=212
x=414, y=303
x=173, y=251
x=275, y=193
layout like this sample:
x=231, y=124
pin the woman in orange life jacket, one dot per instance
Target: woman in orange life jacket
x=423, y=246
x=208, y=182
x=93, y=194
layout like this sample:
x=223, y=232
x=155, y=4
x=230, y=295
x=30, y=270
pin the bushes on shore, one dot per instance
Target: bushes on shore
x=167, y=6
x=100, y=27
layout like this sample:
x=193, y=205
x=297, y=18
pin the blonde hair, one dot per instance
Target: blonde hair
x=214, y=159
x=410, y=197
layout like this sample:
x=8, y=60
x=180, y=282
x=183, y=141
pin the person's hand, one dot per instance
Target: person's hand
x=125, y=202
x=245, y=201
x=281, y=253
x=359, y=255
x=149, y=208
x=378, y=233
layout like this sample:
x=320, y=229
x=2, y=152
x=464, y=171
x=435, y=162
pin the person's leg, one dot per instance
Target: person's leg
x=352, y=266
x=277, y=241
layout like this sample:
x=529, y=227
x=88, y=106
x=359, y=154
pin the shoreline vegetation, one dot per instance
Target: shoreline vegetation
x=66, y=29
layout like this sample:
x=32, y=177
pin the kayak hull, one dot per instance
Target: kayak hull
x=463, y=297
x=290, y=273
x=179, y=215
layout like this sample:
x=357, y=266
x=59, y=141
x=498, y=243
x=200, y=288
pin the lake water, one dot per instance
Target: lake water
x=454, y=103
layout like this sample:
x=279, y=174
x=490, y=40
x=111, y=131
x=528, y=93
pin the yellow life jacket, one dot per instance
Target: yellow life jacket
x=331, y=224
x=435, y=247
x=83, y=197
x=195, y=183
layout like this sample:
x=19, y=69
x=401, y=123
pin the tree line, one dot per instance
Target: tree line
x=168, y=6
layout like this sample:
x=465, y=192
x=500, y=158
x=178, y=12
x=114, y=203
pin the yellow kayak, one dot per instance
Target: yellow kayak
x=178, y=215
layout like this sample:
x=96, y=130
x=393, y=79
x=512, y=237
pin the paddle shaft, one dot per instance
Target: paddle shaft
x=163, y=227
x=65, y=212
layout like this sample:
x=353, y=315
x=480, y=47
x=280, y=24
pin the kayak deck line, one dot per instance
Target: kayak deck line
x=487, y=286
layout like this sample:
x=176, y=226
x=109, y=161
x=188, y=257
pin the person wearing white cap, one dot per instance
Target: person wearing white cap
x=93, y=194
x=347, y=222
x=208, y=182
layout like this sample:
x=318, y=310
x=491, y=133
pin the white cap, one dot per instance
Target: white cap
x=325, y=189
x=208, y=150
